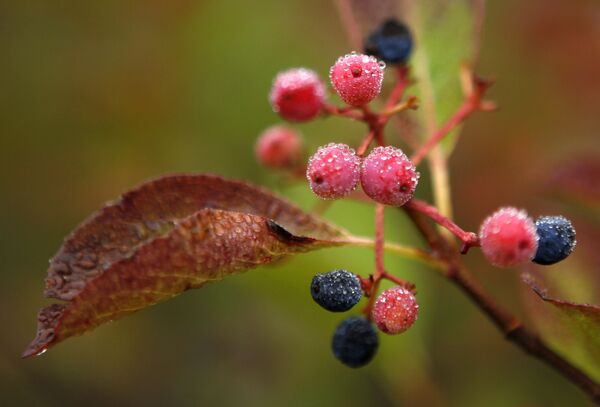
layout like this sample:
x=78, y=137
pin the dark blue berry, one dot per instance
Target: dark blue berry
x=337, y=291
x=355, y=341
x=556, y=239
x=390, y=42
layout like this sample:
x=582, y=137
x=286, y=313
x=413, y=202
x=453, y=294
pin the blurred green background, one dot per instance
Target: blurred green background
x=97, y=96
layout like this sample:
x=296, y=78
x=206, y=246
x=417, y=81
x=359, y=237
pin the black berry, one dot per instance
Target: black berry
x=337, y=291
x=391, y=42
x=556, y=239
x=355, y=341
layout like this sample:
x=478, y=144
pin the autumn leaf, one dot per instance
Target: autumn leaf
x=574, y=329
x=165, y=237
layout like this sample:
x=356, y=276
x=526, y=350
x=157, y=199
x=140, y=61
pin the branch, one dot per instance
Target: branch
x=508, y=324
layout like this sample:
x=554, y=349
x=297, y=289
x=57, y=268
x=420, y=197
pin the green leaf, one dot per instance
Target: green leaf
x=446, y=37
x=163, y=238
x=572, y=328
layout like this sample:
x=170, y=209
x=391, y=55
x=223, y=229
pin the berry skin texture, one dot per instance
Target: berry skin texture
x=357, y=78
x=557, y=239
x=388, y=176
x=391, y=42
x=355, y=342
x=333, y=171
x=395, y=310
x=297, y=94
x=508, y=237
x=279, y=147
x=336, y=291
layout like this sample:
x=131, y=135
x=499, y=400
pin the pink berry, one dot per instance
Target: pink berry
x=333, y=171
x=279, y=147
x=357, y=78
x=395, y=310
x=297, y=94
x=388, y=176
x=508, y=237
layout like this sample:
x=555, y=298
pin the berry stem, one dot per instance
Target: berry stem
x=410, y=103
x=402, y=82
x=475, y=89
x=379, y=240
x=364, y=145
x=469, y=239
x=349, y=112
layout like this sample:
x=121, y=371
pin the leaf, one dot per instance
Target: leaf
x=446, y=37
x=165, y=237
x=574, y=329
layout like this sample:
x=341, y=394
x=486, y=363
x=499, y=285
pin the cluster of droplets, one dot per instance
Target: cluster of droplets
x=357, y=78
x=388, y=176
x=333, y=171
x=395, y=310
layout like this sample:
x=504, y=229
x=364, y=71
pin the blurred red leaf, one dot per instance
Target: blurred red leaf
x=578, y=179
x=573, y=328
x=162, y=238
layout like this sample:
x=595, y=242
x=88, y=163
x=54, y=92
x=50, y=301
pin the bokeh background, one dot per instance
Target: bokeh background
x=97, y=96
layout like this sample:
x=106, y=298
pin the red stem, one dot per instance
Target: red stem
x=458, y=117
x=469, y=239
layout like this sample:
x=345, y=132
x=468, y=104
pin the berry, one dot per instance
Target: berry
x=391, y=42
x=279, y=147
x=297, y=94
x=556, y=239
x=333, y=171
x=357, y=78
x=388, y=176
x=355, y=341
x=337, y=291
x=395, y=310
x=508, y=237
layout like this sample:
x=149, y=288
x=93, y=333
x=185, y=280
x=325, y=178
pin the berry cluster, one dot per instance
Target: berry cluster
x=387, y=176
x=509, y=237
x=355, y=339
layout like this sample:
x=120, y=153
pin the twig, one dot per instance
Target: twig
x=508, y=324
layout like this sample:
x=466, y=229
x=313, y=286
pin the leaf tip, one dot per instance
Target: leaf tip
x=48, y=319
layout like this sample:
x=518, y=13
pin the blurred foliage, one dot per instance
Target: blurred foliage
x=99, y=96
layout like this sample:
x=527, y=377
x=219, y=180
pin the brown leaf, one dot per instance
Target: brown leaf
x=162, y=238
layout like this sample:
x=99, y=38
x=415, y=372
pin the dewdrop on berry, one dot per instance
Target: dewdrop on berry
x=395, y=310
x=333, y=171
x=508, y=237
x=557, y=239
x=388, y=176
x=357, y=78
x=297, y=94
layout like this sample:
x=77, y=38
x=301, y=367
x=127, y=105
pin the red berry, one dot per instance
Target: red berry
x=388, y=176
x=297, y=94
x=333, y=171
x=395, y=310
x=508, y=237
x=357, y=78
x=279, y=147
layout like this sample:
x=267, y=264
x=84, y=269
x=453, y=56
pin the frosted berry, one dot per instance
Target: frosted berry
x=556, y=239
x=357, y=78
x=333, y=171
x=391, y=42
x=508, y=237
x=297, y=94
x=279, y=147
x=355, y=342
x=395, y=310
x=337, y=291
x=388, y=176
